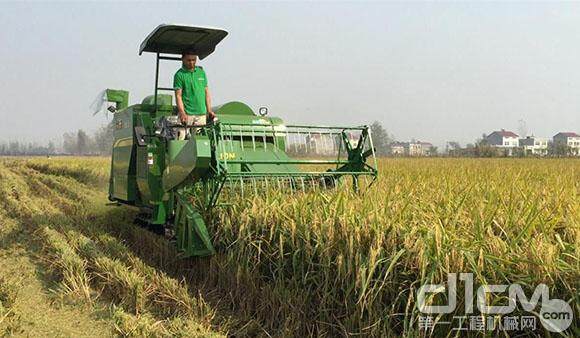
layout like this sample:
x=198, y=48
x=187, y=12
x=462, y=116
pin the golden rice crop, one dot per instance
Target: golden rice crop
x=325, y=264
x=352, y=264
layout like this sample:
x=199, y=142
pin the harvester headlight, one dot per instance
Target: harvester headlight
x=263, y=111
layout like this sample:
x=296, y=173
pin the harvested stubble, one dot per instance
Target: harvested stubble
x=53, y=204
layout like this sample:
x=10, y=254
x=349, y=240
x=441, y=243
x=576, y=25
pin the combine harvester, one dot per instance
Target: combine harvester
x=174, y=181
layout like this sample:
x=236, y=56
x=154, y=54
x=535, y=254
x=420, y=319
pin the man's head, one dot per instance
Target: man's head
x=188, y=59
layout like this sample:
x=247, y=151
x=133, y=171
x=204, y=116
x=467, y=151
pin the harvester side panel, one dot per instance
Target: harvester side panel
x=123, y=183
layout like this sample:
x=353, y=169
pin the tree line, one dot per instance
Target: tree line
x=101, y=142
x=73, y=143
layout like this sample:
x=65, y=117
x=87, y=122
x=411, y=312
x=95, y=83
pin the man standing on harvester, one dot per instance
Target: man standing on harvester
x=191, y=94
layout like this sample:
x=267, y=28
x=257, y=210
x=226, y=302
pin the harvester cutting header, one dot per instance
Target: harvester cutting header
x=174, y=181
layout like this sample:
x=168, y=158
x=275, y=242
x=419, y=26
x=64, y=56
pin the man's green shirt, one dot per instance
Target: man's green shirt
x=192, y=84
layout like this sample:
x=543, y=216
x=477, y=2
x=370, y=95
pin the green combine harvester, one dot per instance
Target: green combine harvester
x=175, y=182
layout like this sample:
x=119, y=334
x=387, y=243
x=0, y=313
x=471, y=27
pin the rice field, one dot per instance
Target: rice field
x=302, y=264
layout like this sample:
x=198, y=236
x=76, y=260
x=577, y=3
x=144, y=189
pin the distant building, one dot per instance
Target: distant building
x=414, y=148
x=398, y=148
x=532, y=145
x=504, y=139
x=420, y=148
x=569, y=139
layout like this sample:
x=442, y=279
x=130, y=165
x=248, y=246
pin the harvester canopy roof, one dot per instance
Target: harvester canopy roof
x=176, y=39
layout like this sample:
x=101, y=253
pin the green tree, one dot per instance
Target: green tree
x=14, y=148
x=381, y=139
x=69, y=143
x=104, y=139
x=83, y=142
x=560, y=149
x=51, y=148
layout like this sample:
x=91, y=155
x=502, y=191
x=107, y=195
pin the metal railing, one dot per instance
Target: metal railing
x=296, y=151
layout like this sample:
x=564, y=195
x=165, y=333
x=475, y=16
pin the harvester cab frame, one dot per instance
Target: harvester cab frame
x=174, y=39
x=176, y=183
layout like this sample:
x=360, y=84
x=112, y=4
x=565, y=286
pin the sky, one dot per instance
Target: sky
x=434, y=72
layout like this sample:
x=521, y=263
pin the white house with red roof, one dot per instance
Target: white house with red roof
x=504, y=139
x=570, y=139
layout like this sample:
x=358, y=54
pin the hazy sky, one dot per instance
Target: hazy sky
x=430, y=71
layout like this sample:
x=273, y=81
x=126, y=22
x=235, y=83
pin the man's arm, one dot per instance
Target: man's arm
x=178, y=86
x=210, y=113
x=180, y=106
